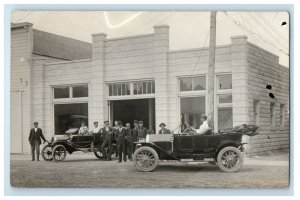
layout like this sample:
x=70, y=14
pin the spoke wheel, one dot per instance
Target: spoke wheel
x=230, y=159
x=59, y=153
x=98, y=152
x=145, y=159
x=47, y=153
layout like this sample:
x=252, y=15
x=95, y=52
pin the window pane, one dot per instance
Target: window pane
x=115, y=90
x=225, y=98
x=149, y=87
x=127, y=88
x=153, y=87
x=186, y=84
x=191, y=109
x=80, y=91
x=110, y=90
x=134, y=88
x=67, y=116
x=224, y=118
x=119, y=89
x=123, y=89
x=144, y=87
x=61, y=92
x=199, y=83
x=140, y=88
x=224, y=81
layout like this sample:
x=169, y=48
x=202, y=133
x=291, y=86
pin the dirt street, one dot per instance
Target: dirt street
x=84, y=170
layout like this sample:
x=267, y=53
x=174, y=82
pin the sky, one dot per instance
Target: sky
x=187, y=29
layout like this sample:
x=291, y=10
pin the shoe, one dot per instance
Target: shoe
x=125, y=160
x=37, y=160
x=32, y=160
x=119, y=162
x=108, y=159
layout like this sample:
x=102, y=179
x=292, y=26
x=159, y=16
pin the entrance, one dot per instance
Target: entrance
x=136, y=109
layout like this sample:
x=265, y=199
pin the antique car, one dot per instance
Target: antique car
x=60, y=145
x=225, y=148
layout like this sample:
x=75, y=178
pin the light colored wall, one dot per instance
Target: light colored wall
x=264, y=69
x=21, y=58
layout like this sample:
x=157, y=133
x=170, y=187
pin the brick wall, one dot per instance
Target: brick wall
x=264, y=69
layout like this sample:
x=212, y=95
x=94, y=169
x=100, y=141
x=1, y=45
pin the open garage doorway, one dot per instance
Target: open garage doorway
x=129, y=110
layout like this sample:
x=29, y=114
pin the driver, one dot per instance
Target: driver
x=204, y=126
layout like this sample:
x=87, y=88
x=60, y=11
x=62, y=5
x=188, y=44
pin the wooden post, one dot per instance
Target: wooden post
x=211, y=70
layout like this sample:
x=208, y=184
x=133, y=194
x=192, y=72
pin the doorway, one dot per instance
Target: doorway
x=135, y=109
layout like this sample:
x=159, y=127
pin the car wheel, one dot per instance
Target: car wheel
x=59, y=153
x=230, y=159
x=145, y=159
x=47, y=153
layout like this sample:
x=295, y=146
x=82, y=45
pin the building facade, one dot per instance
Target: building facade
x=139, y=77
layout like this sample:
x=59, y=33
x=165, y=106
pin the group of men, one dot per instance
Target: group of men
x=124, y=137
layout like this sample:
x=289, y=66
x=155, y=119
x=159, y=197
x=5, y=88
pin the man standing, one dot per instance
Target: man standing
x=107, y=135
x=120, y=138
x=163, y=129
x=142, y=131
x=129, y=141
x=35, y=136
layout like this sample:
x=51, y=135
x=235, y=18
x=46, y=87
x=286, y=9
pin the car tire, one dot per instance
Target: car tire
x=145, y=159
x=59, y=153
x=47, y=153
x=230, y=159
x=98, y=152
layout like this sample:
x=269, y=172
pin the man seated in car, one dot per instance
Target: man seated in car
x=83, y=130
x=204, y=126
x=163, y=129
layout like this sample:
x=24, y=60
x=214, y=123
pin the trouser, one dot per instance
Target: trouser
x=35, y=147
x=122, y=151
x=129, y=148
x=106, y=143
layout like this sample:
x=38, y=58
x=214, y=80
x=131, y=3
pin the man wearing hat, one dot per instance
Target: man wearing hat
x=142, y=131
x=204, y=126
x=35, y=136
x=163, y=129
x=121, y=144
x=107, y=135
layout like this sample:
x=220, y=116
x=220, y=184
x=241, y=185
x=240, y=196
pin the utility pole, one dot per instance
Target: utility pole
x=211, y=70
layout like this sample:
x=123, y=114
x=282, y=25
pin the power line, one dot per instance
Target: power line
x=254, y=33
x=200, y=53
x=29, y=13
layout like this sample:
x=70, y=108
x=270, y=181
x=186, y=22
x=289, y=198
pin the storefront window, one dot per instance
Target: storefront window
x=69, y=116
x=227, y=98
x=224, y=81
x=61, y=92
x=225, y=118
x=144, y=87
x=192, y=83
x=119, y=89
x=80, y=91
x=191, y=110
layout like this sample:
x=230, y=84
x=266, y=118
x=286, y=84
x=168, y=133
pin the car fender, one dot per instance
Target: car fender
x=156, y=148
x=227, y=143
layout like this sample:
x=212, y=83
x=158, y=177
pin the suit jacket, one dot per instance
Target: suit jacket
x=107, y=134
x=134, y=132
x=129, y=135
x=36, y=136
x=166, y=131
x=120, y=135
x=142, y=132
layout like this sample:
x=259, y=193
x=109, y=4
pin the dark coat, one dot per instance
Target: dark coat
x=142, y=132
x=166, y=131
x=134, y=132
x=107, y=135
x=36, y=136
x=129, y=135
x=120, y=135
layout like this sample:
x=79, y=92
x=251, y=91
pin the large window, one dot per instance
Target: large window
x=71, y=91
x=119, y=89
x=224, y=81
x=193, y=83
x=224, y=118
x=272, y=114
x=69, y=116
x=191, y=109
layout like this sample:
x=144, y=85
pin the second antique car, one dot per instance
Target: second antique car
x=225, y=149
x=60, y=145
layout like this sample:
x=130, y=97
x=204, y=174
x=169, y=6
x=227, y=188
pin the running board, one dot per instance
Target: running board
x=197, y=160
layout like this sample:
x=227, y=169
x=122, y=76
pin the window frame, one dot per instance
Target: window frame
x=71, y=98
x=217, y=83
x=282, y=115
x=192, y=91
x=272, y=114
x=256, y=112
